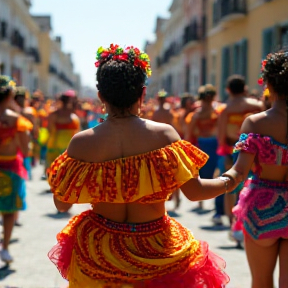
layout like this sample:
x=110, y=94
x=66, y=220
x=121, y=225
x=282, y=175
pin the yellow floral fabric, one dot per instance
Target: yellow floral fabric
x=147, y=178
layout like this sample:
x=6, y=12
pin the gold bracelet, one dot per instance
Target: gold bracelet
x=226, y=181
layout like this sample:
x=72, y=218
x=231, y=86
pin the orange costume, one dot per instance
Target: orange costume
x=93, y=251
x=12, y=171
x=59, y=139
x=234, y=123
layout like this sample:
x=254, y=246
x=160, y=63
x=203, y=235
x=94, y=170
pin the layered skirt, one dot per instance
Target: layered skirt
x=263, y=208
x=12, y=184
x=96, y=252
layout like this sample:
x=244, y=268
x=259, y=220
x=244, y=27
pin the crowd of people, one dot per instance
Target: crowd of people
x=133, y=154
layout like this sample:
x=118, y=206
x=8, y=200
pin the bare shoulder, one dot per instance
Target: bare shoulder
x=12, y=114
x=255, y=103
x=254, y=123
x=79, y=141
x=74, y=116
x=163, y=130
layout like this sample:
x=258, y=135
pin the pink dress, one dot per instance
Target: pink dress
x=263, y=204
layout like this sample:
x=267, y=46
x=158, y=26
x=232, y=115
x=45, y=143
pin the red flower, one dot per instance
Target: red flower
x=113, y=48
x=123, y=57
x=260, y=81
x=105, y=54
x=97, y=64
x=137, y=51
x=264, y=62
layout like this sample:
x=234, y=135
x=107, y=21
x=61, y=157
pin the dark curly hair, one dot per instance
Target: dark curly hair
x=236, y=84
x=275, y=72
x=120, y=83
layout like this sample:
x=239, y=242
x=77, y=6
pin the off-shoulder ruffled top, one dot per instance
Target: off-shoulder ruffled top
x=267, y=150
x=146, y=178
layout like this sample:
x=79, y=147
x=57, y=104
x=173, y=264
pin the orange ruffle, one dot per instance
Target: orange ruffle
x=146, y=178
x=24, y=124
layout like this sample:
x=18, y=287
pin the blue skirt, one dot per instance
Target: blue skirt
x=12, y=192
x=209, y=146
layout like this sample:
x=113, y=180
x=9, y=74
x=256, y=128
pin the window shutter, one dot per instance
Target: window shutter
x=267, y=42
x=244, y=58
x=225, y=70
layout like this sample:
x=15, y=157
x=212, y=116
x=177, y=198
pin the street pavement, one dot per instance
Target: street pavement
x=41, y=222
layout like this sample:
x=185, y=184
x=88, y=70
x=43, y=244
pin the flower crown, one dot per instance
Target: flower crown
x=129, y=54
x=6, y=81
x=270, y=58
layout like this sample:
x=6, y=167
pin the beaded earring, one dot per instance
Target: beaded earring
x=103, y=108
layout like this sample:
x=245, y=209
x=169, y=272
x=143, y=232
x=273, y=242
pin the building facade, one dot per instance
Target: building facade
x=27, y=51
x=206, y=41
x=179, y=49
x=240, y=34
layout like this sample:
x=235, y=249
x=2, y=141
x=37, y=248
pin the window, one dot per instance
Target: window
x=213, y=69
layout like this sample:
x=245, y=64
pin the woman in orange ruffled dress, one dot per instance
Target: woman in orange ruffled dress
x=14, y=139
x=127, y=168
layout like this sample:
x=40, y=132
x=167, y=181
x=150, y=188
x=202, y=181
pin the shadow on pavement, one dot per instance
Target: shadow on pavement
x=200, y=211
x=45, y=192
x=12, y=241
x=173, y=214
x=236, y=246
x=215, y=228
x=5, y=271
x=58, y=215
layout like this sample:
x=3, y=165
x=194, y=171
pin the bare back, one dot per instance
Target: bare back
x=265, y=123
x=232, y=117
x=119, y=138
x=163, y=116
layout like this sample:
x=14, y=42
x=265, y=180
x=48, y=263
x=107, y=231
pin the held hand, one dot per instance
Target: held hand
x=235, y=178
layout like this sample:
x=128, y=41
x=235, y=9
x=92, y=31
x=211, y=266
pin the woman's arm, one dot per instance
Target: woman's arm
x=202, y=189
x=61, y=206
x=197, y=189
x=23, y=140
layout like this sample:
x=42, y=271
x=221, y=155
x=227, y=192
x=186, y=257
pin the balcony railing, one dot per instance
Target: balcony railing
x=34, y=53
x=173, y=50
x=65, y=79
x=3, y=30
x=17, y=40
x=52, y=69
x=222, y=9
x=192, y=32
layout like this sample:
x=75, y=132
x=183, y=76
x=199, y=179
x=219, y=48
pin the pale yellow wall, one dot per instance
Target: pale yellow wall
x=250, y=27
x=44, y=48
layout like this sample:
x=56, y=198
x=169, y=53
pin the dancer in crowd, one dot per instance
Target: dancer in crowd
x=202, y=130
x=184, y=115
x=22, y=99
x=62, y=125
x=43, y=114
x=263, y=203
x=162, y=114
x=14, y=139
x=230, y=120
x=127, y=168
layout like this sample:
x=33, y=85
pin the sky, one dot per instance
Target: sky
x=85, y=25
